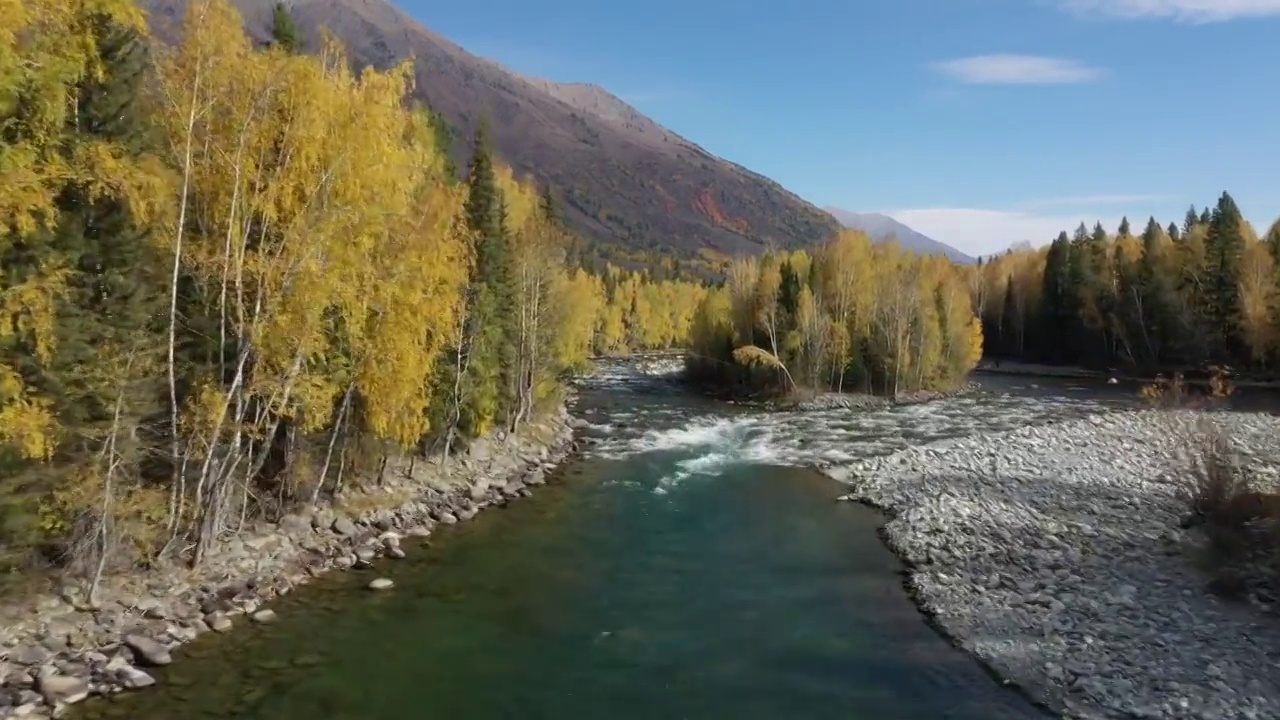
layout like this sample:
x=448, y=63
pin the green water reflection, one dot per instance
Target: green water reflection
x=749, y=595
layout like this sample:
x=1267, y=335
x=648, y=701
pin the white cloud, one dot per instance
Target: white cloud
x=1017, y=70
x=977, y=231
x=1068, y=200
x=1192, y=11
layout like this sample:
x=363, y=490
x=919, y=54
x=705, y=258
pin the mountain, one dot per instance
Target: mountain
x=622, y=179
x=881, y=227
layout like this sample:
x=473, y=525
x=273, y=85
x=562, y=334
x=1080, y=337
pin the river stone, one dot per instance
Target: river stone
x=480, y=450
x=127, y=675
x=344, y=526
x=1050, y=560
x=263, y=616
x=149, y=651
x=63, y=689
x=28, y=710
x=381, y=584
x=33, y=655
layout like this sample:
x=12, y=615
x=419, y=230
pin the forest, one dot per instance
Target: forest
x=855, y=316
x=231, y=272
x=1168, y=298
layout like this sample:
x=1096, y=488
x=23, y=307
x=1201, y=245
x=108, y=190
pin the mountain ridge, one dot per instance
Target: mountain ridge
x=881, y=227
x=622, y=179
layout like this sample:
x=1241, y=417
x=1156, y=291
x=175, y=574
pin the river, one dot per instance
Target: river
x=689, y=564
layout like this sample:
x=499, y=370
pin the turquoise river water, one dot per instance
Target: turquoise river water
x=691, y=563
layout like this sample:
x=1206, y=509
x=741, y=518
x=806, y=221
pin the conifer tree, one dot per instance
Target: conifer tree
x=1224, y=247
x=789, y=289
x=1191, y=219
x=284, y=30
x=1058, y=299
x=492, y=352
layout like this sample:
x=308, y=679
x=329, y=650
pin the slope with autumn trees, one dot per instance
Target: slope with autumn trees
x=238, y=280
x=625, y=183
x=1158, y=297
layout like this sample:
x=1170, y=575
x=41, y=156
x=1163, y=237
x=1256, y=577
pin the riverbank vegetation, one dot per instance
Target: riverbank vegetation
x=1238, y=512
x=1228, y=495
x=855, y=316
x=1206, y=292
x=232, y=273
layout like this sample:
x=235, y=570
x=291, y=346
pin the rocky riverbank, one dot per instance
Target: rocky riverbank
x=863, y=401
x=1055, y=554
x=56, y=651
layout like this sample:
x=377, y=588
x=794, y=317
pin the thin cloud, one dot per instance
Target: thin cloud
x=1068, y=200
x=1009, y=69
x=978, y=231
x=1189, y=11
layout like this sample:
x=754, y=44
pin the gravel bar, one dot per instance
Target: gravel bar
x=1055, y=554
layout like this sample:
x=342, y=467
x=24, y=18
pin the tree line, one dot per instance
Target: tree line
x=1175, y=297
x=236, y=279
x=854, y=316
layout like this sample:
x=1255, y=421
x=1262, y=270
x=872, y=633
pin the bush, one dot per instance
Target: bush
x=1241, y=520
x=1175, y=392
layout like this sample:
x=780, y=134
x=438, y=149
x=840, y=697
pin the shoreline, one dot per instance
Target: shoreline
x=1075, y=587
x=1071, y=372
x=54, y=651
x=866, y=401
x=825, y=400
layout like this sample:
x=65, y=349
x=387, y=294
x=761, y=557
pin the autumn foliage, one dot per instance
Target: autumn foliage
x=232, y=273
x=854, y=316
x=1179, y=297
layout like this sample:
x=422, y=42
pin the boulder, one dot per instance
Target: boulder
x=148, y=651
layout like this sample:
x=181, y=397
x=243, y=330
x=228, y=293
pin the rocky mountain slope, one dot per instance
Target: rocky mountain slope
x=622, y=179
x=881, y=227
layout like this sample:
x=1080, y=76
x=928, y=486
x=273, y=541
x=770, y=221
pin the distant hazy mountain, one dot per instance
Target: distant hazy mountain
x=880, y=227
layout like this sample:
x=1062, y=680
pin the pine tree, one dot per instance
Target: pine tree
x=1058, y=308
x=1223, y=249
x=549, y=207
x=493, y=326
x=114, y=290
x=788, y=289
x=1191, y=220
x=284, y=31
x=1159, y=296
x=444, y=138
x=1174, y=233
x=484, y=212
x=80, y=357
x=1124, y=227
x=1011, y=322
x=1272, y=240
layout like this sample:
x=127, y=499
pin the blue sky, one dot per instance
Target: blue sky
x=978, y=122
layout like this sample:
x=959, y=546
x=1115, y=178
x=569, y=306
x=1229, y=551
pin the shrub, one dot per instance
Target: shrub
x=1241, y=520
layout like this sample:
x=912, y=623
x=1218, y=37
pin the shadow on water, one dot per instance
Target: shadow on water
x=749, y=595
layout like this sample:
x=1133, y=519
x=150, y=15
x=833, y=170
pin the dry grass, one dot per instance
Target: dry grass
x=1174, y=392
x=1240, y=519
x=359, y=502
